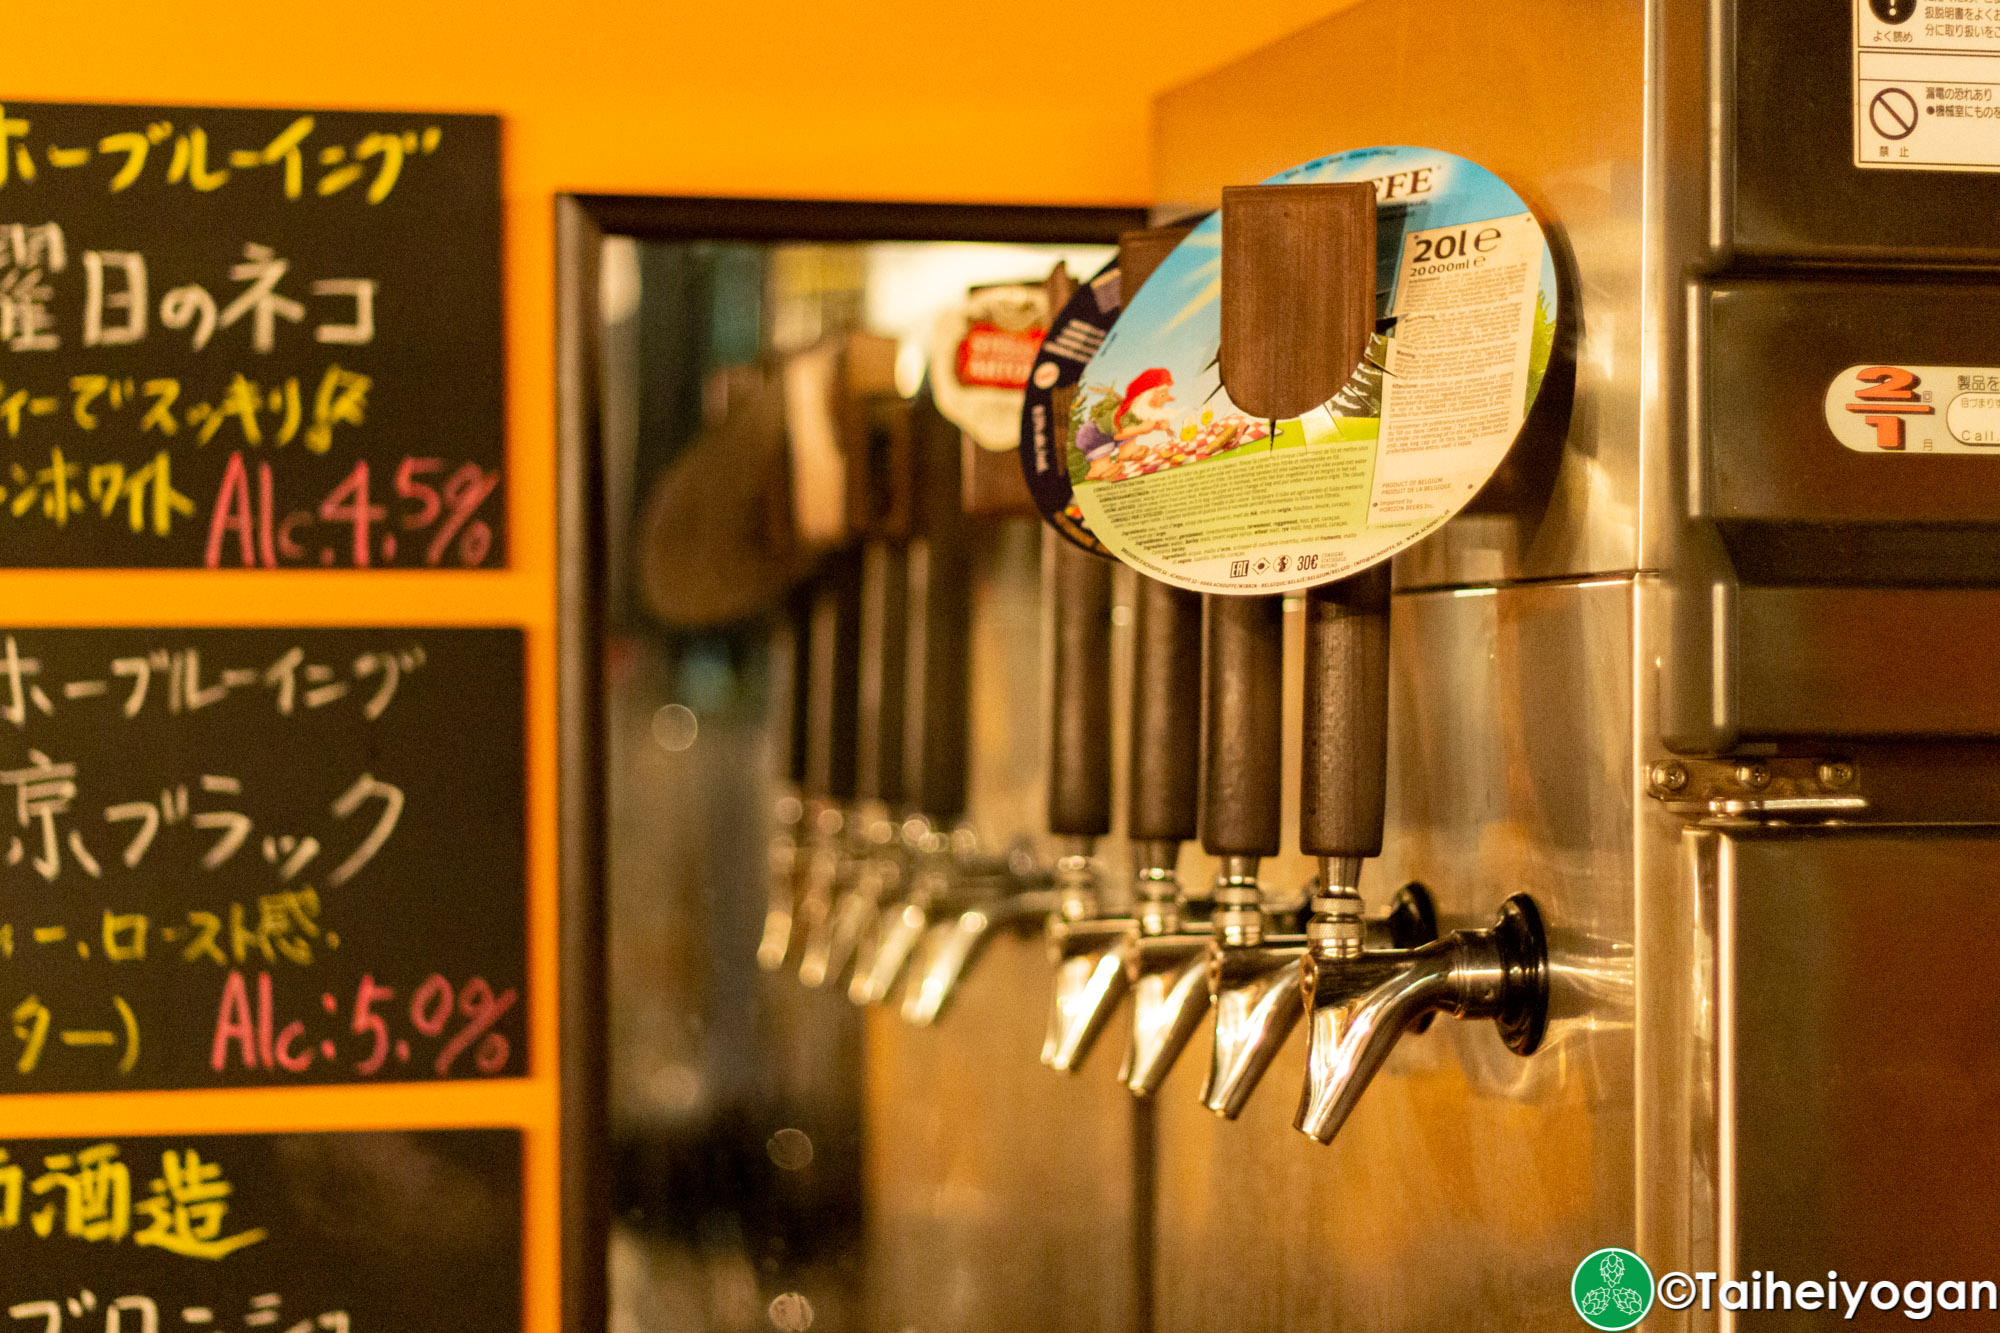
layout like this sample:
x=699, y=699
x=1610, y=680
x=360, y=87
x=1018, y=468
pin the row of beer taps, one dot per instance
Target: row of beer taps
x=898, y=904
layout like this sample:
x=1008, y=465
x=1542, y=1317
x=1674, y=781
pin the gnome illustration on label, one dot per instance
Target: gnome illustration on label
x=1113, y=429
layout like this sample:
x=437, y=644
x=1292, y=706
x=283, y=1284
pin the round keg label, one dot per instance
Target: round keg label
x=1175, y=480
x=1074, y=336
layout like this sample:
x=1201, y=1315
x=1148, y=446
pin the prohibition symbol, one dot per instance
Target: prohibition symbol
x=1893, y=113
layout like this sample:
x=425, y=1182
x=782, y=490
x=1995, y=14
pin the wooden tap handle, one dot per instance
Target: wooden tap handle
x=1080, y=707
x=1163, y=802
x=1298, y=304
x=885, y=633
x=1344, y=757
x=1243, y=691
x=1298, y=293
x=790, y=675
x=833, y=691
x=937, y=665
x=1140, y=252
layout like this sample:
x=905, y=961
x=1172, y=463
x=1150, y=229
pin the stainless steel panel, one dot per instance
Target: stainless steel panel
x=1867, y=662
x=1858, y=1055
x=1548, y=95
x=1673, y=1112
x=1470, y=1179
x=1000, y=1193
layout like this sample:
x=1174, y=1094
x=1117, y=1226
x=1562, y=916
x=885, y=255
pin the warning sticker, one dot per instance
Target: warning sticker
x=1916, y=409
x=1181, y=484
x=1927, y=84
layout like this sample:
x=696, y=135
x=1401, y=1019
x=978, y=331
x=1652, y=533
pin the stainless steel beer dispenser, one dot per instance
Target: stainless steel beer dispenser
x=1089, y=962
x=936, y=612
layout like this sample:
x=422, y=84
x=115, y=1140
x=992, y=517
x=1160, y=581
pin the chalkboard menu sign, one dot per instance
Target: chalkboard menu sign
x=237, y=338
x=260, y=856
x=290, y=1233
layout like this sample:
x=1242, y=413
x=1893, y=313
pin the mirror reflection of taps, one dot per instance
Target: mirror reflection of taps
x=984, y=900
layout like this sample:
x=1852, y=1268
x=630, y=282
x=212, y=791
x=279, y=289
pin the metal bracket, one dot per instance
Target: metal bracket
x=1760, y=788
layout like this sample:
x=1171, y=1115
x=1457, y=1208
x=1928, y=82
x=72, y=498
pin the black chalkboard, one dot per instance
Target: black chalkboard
x=237, y=338
x=256, y=856
x=285, y=1233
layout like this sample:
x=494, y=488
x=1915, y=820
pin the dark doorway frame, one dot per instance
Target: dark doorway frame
x=583, y=221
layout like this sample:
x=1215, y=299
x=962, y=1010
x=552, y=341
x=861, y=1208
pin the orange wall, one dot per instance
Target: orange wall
x=885, y=99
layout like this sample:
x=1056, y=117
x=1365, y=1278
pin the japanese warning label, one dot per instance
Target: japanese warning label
x=1178, y=482
x=1927, y=84
x=242, y=857
x=249, y=339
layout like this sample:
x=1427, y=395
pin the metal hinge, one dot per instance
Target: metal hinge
x=1802, y=789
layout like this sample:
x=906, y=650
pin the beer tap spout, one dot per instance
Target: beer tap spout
x=1362, y=1001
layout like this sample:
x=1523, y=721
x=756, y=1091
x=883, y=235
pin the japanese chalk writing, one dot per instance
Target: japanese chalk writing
x=113, y=309
x=203, y=831
x=190, y=161
x=117, y=1313
x=262, y=1232
x=90, y=1196
x=220, y=328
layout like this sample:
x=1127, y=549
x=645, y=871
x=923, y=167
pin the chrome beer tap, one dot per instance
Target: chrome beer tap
x=924, y=937
x=876, y=861
x=1298, y=304
x=935, y=856
x=832, y=705
x=1299, y=301
x=1166, y=965
x=1360, y=996
x=785, y=855
x=1096, y=956
x=958, y=904
x=1252, y=958
x=1086, y=948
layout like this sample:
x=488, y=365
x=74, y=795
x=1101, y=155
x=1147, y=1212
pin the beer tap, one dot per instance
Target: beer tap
x=959, y=901
x=1093, y=954
x=878, y=865
x=832, y=706
x=1361, y=996
x=873, y=427
x=1166, y=963
x=1090, y=968
x=945, y=876
x=1298, y=303
x=786, y=854
x=1252, y=957
x=937, y=608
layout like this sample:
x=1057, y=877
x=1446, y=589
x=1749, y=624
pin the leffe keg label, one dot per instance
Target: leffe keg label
x=1182, y=484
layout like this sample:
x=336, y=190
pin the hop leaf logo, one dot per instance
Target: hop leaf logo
x=1612, y=1289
